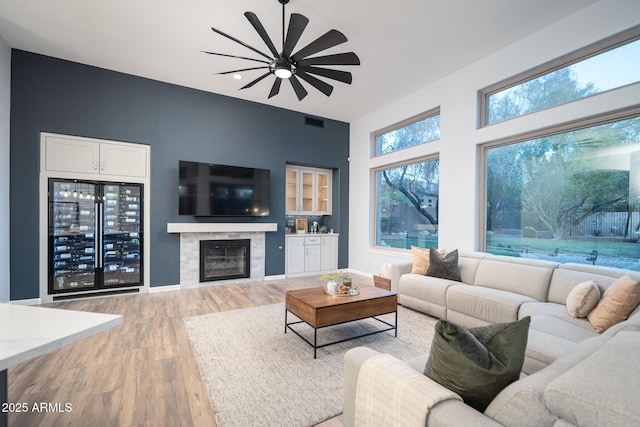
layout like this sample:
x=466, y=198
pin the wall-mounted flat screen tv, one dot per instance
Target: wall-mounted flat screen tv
x=219, y=190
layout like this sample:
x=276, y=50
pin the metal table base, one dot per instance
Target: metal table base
x=314, y=344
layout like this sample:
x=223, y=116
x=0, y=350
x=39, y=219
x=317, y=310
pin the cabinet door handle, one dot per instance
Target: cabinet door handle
x=95, y=165
x=102, y=165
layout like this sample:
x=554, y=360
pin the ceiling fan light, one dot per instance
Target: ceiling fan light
x=283, y=72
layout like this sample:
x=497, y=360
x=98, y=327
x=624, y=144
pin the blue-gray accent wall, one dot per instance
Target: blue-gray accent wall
x=178, y=123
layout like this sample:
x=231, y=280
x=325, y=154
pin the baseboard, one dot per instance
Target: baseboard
x=275, y=277
x=31, y=301
x=358, y=272
x=164, y=288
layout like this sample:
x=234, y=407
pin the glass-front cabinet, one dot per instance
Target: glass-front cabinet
x=291, y=191
x=95, y=232
x=308, y=191
x=323, y=192
x=121, y=235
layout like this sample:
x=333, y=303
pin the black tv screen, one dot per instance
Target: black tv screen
x=219, y=190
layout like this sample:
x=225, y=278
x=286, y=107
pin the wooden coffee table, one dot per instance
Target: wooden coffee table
x=319, y=310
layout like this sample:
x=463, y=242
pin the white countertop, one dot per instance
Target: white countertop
x=27, y=332
x=311, y=234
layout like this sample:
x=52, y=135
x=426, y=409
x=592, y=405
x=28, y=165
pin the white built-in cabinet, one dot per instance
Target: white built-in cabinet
x=80, y=155
x=74, y=157
x=308, y=191
x=311, y=253
x=329, y=252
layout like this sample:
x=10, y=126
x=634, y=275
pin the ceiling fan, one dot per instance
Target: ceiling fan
x=284, y=65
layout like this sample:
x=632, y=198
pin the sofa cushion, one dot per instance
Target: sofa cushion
x=522, y=403
x=564, y=280
x=519, y=277
x=598, y=391
x=479, y=362
x=631, y=324
x=535, y=309
x=487, y=304
x=549, y=338
x=583, y=298
x=468, y=263
x=444, y=266
x=542, y=350
x=557, y=327
x=618, y=301
x=424, y=293
x=431, y=289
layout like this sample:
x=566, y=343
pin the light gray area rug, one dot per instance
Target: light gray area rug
x=256, y=375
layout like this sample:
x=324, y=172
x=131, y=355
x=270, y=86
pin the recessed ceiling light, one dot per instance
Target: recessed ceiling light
x=237, y=76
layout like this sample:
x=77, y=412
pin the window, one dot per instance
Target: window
x=406, y=205
x=612, y=64
x=572, y=195
x=418, y=130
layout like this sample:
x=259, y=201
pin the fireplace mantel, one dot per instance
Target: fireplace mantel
x=221, y=227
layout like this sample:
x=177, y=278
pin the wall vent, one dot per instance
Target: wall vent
x=311, y=121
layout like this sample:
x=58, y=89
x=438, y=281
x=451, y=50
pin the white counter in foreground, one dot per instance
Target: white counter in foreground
x=27, y=332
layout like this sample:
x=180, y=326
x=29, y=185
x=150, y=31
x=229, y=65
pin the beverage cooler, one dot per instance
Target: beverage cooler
x=95, y=235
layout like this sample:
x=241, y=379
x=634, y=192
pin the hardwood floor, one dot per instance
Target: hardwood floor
x=141, y=373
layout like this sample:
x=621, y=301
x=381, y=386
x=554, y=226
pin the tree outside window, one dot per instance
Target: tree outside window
x=568, y=196
x=407, y=205
x=604, y=71
x=423, y=129
x=406, y=195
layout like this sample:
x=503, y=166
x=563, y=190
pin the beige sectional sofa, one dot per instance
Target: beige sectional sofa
x=572, y=376
x=498, y=289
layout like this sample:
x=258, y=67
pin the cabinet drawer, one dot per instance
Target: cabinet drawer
x=312, y=241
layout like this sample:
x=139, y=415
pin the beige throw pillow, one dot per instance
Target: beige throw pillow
x=616, y=304
x=582, y=298
x=420, y=260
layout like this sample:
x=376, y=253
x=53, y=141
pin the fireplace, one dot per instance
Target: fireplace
x=192, y=233
x=225, y=259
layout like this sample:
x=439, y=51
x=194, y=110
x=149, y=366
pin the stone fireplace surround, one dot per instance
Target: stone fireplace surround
x=192, y=233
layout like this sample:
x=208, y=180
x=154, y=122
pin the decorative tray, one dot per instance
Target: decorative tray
x=351, y=292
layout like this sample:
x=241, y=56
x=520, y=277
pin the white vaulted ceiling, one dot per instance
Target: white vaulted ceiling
x=403, y=45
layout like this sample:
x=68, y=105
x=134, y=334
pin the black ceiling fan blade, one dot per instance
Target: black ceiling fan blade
x=253, y=19
x=243, y=69
x=339, y=75
x=348, y=58
x=242, y=43
x=235, y=56
x=300, y=91
x=250, y=84
x=297, y=24
x=330, y=39
x=275, y=89
x=317, y=83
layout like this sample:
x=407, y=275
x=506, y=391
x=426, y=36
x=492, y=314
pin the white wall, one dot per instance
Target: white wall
x=456, y=95
x=5, y=98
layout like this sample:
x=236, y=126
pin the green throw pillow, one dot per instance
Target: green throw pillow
x=477, y=363
x=444, y=266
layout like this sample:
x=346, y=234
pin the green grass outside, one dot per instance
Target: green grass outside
x=502, y=242
x=413, y=241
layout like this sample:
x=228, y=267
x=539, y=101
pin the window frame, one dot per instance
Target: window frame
x=574, y=125
x=395, y=126
x=374, y=197
x=612, y=42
